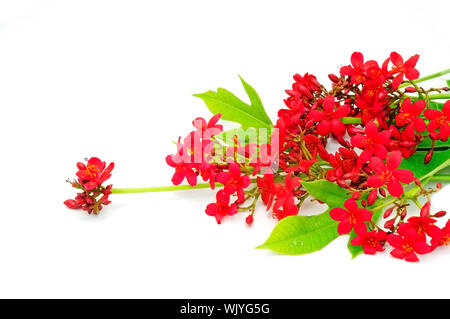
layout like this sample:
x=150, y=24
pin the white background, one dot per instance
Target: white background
x=115, y=79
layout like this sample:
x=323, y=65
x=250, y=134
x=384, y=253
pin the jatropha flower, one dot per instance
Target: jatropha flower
x=407, y=245
x=93, y=195
x=371, y=242
x=401, y=68
x=373, y=143
x=410, y=115
x=422, y=225
x=373, y=118
x=439, y=121
x=388, y=174
x=221, y=207
x=351, y=218
x=329, y=118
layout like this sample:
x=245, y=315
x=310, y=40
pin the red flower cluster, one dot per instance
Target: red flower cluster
x=93, y=195
x=377, y=124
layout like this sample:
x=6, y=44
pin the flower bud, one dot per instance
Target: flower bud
x=356, y=195
x=441, y=213
x=249, y=220
x=410, y=89
x=364, y=203
x=333, y=78
x=428, y=157
x=382, y=192
x=438, y=185
x=372, y=197
x=388, y=212
x=389, y=224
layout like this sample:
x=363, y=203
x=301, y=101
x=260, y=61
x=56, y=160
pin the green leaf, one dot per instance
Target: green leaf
x=415, y=163
x=297, y=235
x=330, y=193
x=235, y=110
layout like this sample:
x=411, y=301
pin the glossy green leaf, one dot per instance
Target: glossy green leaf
x=235, y=110
x=297, y=235
x=415, y=163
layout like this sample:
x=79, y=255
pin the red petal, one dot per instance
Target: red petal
x=357, y=59
x=338, y=213
x=393, y=160
x=404, y=175
x=377, y=165
x=375, y=181
x=396, y=59
x=394, y=188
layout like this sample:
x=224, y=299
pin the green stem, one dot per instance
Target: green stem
x=351, y=120
x=442, y=96
x=442, y=178
x=428, y=77
x=159, y=188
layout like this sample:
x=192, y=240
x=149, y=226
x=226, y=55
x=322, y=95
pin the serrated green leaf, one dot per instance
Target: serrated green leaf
x=297, y=235
x=415, y=163
x=235, y=110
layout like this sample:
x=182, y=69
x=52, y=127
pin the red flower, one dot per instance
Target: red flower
x=407, y=245
x=207, y=130
x=267, y=188
x=406, y=69
x=389, y=174
x=444, y=239
x=405, y=142
x=410, y=115
x=329, y=118
x=371, y=242
x=285, y=198
x=345, y=167
x=221, y=207
x=183, y=166
x=373, y=143
x=90, y=179
x=94, y=173
x=422, y=225
x=233, y=181
x=354, y=217
x=439, y=121
x=358, y=70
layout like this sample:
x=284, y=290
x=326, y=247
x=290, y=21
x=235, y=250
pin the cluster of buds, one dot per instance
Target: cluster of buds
x=90, y=179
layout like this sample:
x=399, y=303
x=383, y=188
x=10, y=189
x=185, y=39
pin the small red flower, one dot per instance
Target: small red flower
x=208, y=129
x=444, y=239
x=90, y=179
x=329, y=118
x=410, y=115
x=354, y=217
x=406, y=69
x=234, y=182
x=285, y=198
x=371, y=242
x=221, y=207
x=423, y=225
x=407, y=245
x=389, y=174
x=183, y=166
x=373, y=143
x=439, y=121
x=267, y=188
x=94, y=173
x=358, y=71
